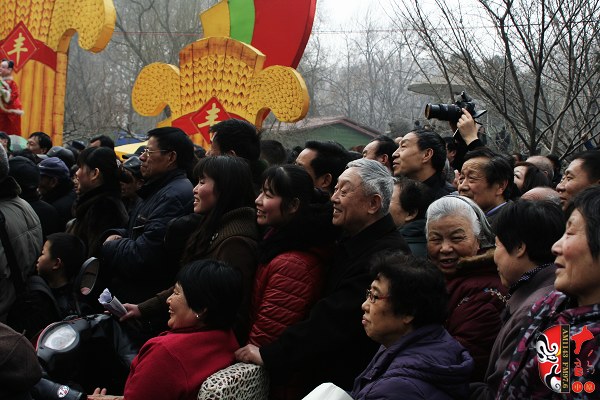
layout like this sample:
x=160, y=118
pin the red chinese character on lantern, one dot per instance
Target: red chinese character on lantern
x=19, y=46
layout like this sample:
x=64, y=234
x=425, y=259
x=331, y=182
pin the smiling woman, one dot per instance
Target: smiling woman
x=576, y=306
x=202, y=310
x=460, y=244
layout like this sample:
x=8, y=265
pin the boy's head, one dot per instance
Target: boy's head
x=62, y=255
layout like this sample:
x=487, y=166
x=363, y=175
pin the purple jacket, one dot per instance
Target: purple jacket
x=427, y=363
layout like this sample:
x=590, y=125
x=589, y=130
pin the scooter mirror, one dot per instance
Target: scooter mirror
x=86, y=279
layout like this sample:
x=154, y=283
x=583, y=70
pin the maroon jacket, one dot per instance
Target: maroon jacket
x=477, y=298
x=285, y=289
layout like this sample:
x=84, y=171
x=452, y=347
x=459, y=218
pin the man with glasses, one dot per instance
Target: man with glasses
x=136, y=257
x=331, y=345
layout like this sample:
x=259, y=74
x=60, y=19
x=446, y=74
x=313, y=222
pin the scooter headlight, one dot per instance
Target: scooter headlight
x=60, y=338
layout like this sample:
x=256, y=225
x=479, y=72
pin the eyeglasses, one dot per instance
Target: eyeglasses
x=147, y=152
x=373, y=297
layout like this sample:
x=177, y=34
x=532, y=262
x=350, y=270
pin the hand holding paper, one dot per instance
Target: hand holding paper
x=112, y=304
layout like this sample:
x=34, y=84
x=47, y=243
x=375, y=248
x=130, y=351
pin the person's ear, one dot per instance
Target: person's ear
x=374, y=204
x=231, y=153
x=293, y=206
x=58, y=264
x=501, y=188
x=95, y=174
x=324, y=181
x=427, y=154
x=173, y=157
x=201, y=315
x=521, y=250
x=407, y=319
x=411, y=216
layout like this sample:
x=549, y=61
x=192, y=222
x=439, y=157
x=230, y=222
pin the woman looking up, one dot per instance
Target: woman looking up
x=222, y=227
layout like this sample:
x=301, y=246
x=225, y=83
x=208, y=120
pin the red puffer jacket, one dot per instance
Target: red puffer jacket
x=284, y=291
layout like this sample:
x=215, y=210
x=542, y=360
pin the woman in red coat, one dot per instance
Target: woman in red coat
x=200, y=341
x=293, y=253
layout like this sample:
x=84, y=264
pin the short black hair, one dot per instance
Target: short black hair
x=239, y=136
x=450, y=143
x=104, y=140
x=536, y=224
x=590, y=163
x=499, y=169
x=534, y=177
x=587, y=202
x=414, y=196
x=273, y=152
x=70, y=249
x=331, y=158
x=44, y=140
x=385, y=145
x=174, y=139
x=105, y=160
x=215, y=286
x=428, y=139
x=417, y=287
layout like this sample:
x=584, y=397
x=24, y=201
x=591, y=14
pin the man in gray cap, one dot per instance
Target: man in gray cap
x=24, y=233
x=56, y=187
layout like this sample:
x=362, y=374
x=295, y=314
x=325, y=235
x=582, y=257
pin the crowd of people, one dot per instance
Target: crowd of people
x=261, y=255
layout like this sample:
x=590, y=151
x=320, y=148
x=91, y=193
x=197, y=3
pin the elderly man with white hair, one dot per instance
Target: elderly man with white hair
x=331, y=345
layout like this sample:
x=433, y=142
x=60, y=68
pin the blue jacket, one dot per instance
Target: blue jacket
x=427, y=363
x=138, y=262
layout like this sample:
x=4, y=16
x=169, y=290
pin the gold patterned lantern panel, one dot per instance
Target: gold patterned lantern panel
x=35, y=34
x=219, y=78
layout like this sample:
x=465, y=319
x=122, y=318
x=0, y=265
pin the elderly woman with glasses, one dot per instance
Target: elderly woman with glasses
x=404, y=311
x=535, y=370
x=460, y=243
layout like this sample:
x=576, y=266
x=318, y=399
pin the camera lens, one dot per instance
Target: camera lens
x=443, y=112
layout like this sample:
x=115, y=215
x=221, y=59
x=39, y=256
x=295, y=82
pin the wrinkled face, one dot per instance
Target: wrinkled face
x=473, y=184
x=350, y=203
x=507, y=263
x=33, y=145
x=408, y=159
x=519, y=175
x=156, y=161
x=396, y=210
x=577, y=272
x=448, y=239
x=85, y=179
x=180, y=314
x=268, y=208
x=46, y=262
x=573, y=181
x=304, y=160
x=379, y=321
x=205, y=197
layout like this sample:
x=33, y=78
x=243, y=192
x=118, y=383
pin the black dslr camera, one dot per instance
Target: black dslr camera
x=452, y=112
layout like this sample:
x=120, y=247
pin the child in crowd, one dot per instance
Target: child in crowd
x=49, y=295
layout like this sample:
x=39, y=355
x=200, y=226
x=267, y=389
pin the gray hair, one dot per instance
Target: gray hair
x=376, y=179
x=465, y=207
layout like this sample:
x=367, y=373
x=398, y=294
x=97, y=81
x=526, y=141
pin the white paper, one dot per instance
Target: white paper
x=112, y=304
